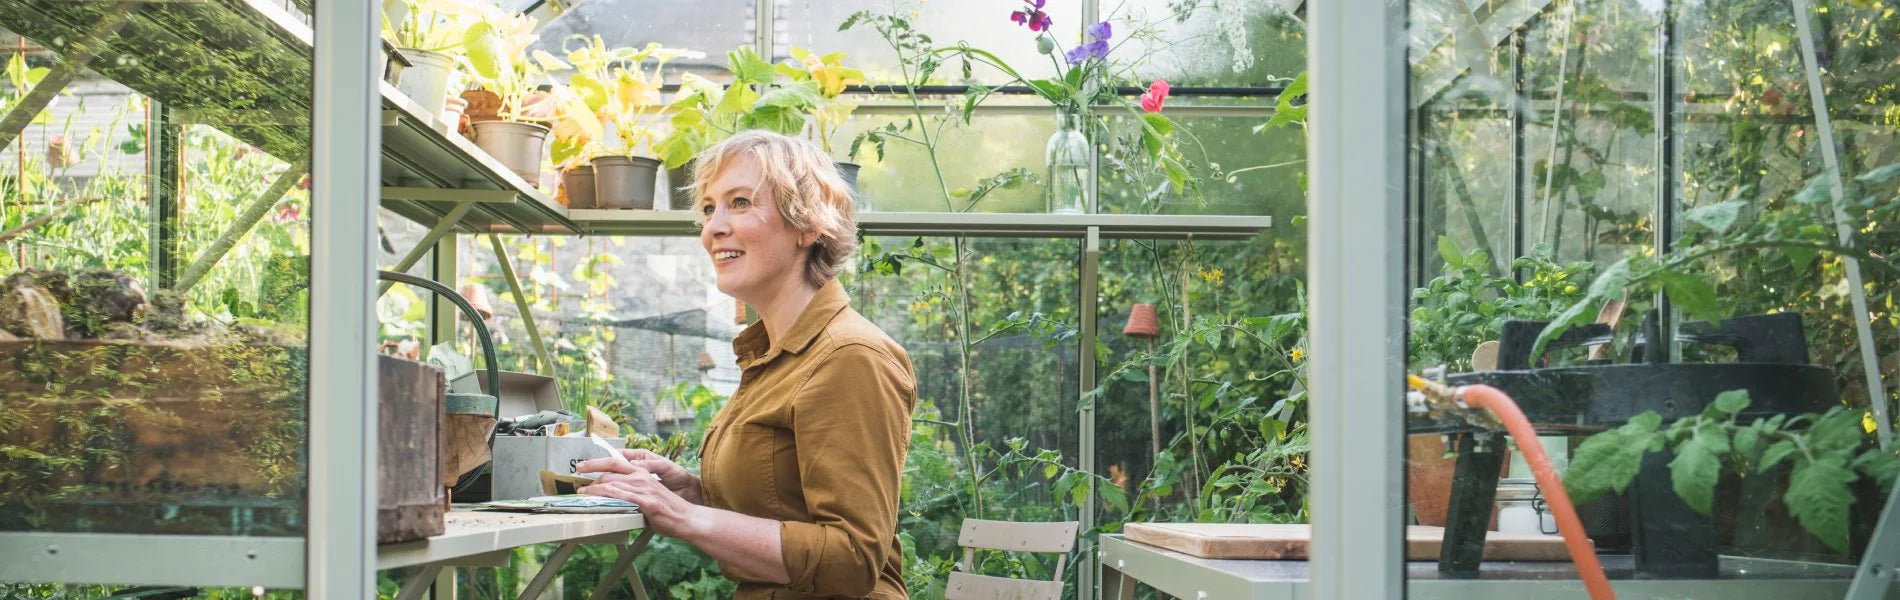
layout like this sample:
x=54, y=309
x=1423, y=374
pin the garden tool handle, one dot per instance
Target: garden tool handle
x=489, y=358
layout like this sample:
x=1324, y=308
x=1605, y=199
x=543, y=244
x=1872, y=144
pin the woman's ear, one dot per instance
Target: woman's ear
x=808, y=239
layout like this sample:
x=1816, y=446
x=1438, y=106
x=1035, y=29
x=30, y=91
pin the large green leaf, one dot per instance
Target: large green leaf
x=1718, y=217
x=1609, y=284
x=747, y=67
x=1817, y=191
x=487, y=53
x=1818, y=498
x=800, y=96
x=774, y=118
x=1776, y=453
x=1880, y=175
x=1449, y=251
x=1748, y=442
x=736, y=100
x=1694, y=471
x=1879, y=464
x=1837, y=431
x=1609, y=460
x=1114, y=496
x=1730, y=402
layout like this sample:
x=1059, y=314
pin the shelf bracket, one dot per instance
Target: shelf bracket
x=70, y=64
x=442, y=228
x=246, y=220
x=623, y=567
x=548, y=570
x=521, y=303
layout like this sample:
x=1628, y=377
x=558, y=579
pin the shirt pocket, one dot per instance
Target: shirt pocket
x=750, y=468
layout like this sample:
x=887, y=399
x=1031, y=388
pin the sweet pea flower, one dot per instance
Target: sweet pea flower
x=1157, y=93
x=1032, y=16
x=1097, y=49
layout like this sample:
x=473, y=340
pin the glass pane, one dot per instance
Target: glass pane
x=1003, y=405
x=156, y=270
x=1219, y=44
x=1236, y=171
x=1588, y=190
x=905, y=178
x=710, y=27
x=813, y=25
x=1201, y=411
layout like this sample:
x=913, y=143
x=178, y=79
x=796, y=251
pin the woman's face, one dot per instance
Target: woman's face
x=755, y=253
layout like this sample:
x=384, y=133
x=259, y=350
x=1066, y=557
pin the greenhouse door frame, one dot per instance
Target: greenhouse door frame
x=1356, y=255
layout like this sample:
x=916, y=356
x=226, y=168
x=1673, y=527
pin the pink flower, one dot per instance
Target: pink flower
x=1157, y=93
x=1032, y=16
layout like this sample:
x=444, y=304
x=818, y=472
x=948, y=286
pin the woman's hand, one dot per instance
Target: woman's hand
x=666, y=512
x=676, y=478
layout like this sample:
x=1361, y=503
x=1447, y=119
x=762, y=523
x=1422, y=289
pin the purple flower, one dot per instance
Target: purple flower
x=1097, y=50
x=1032, y=16
x=1100, y=31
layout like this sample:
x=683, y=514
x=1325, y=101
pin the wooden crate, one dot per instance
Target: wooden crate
x=139, y=437
x=409, y=491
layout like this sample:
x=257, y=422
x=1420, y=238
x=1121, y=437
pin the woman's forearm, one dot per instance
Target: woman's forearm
x=746, y=543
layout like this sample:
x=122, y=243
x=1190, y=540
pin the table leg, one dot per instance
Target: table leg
x=624, y=566
x=445, y=585
x=1116, y=585
x=418, y=583
x=1474, y=487
x=548, y=570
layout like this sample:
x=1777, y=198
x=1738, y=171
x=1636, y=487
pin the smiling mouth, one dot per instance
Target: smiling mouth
x=726, y=255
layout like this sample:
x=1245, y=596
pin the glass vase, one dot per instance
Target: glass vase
x=1069, y=158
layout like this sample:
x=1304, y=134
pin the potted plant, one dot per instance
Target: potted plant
x=704, y=113
x=496, y=51
x=607, y=118
x=830, y=76
x=428, y=35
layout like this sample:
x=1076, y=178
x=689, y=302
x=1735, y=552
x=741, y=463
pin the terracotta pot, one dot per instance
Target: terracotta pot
x=1429, y=466
x=1142, y=322
x=483, y=105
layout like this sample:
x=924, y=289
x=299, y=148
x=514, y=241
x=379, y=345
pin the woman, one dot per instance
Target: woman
x=799, y=473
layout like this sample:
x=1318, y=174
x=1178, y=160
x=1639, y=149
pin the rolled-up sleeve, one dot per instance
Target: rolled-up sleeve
x=851, y=424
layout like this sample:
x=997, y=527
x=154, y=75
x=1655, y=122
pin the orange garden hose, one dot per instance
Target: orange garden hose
x=1484, y=397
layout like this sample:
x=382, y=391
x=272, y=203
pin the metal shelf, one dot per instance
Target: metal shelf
x=683, y=223
x=243, y=66
x=427, y=171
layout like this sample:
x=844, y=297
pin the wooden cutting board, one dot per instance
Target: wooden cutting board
x=1288, y=542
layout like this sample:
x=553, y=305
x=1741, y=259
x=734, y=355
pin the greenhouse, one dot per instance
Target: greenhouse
x=1198, y=299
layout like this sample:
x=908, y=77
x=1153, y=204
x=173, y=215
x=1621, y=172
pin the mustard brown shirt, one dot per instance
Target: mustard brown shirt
x=815, y=437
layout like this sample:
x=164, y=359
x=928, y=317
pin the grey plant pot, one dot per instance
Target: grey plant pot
x=579, y=182
x=677, y=180
x=849, y=171
x=519, y=146
x=622, y=182
x=426, y=79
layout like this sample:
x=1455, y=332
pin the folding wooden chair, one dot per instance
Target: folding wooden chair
x=1011, y=536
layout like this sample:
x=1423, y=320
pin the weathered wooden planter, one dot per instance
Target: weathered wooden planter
x=141, y=437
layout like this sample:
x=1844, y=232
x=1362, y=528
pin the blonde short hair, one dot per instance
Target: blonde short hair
x=805, y=184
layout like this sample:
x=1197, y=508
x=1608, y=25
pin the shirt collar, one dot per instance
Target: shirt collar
x=752, y=344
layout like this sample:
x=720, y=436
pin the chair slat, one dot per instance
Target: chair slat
x=1018, y=537
x=965, y=586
